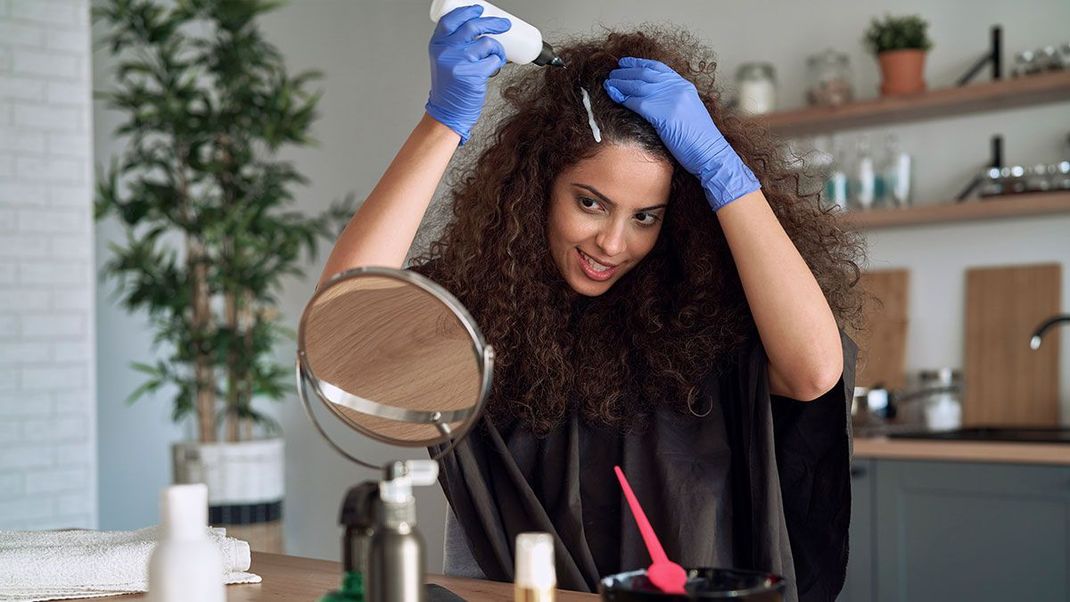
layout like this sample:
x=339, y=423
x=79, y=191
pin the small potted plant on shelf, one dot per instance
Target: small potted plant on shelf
x=202, y=196
x=900, y=44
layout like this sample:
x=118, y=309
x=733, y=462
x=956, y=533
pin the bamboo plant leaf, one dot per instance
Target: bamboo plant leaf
x=201, y=197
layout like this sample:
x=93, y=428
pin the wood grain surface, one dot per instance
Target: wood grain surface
x=394, y=343
x=1006, y=382
x=944, y=211
x=964, y=451
x=883, y=342
x=956, y=101
x=294, y=579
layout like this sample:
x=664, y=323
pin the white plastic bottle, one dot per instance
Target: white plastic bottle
x=523, y=43
x=836, y=184
x=535, y=576
x=896, y=173
x=865, y=180
x=186, y=564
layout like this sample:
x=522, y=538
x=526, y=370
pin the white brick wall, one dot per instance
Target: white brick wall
x=48, y=470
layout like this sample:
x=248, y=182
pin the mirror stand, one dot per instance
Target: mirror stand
x=397, y=358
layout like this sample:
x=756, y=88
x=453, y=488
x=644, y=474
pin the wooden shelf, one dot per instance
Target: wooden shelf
x=1018, y=205
x=1004, y=94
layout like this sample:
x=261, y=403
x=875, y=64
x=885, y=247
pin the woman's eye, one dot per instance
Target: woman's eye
x=588, y=203
x=647, y=219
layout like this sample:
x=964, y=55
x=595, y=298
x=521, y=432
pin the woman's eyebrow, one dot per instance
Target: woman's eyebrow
x=606, y=199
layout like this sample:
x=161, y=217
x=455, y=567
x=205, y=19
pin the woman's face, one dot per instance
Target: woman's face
x=605, y=215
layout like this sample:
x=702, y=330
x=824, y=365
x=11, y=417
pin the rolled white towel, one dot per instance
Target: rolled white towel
x=57, y=565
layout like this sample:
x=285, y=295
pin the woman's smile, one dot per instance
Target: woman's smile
x=595, y=270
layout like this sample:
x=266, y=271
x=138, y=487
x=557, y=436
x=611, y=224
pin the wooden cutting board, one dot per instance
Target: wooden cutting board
x=883, y=342
x=1006, y=382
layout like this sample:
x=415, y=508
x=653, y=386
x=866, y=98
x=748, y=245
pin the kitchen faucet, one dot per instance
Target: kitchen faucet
x=1034, y=341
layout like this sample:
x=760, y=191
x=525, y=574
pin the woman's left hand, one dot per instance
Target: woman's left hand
x=672, y=105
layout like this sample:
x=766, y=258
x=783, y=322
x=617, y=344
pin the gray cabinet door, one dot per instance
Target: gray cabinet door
x=972, y=531
x=860, y=585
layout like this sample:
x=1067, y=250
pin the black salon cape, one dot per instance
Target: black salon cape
x=789, y=483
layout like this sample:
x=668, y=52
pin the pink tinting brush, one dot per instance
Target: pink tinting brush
x=668, y=576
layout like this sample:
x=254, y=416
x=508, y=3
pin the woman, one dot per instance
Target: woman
x=660, y=296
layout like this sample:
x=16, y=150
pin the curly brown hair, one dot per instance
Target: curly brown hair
x=673, y=318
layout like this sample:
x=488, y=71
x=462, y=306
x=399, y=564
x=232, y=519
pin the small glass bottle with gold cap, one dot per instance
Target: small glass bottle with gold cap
x=535, y=577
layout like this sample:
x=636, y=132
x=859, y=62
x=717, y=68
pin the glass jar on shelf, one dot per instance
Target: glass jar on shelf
x=1013, y=179
x=1049, y=60
x=991, y=182
x=1061, y=176
x=1064, y=55
x=756, y=88
x=1036, y=178
x=1025, y=63
x=830, y=79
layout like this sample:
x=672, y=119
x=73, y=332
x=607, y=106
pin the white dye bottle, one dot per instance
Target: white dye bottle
x=523, y=43
x=186, y=564
x=535, y=578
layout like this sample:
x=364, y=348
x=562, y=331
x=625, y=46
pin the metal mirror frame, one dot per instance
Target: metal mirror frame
x=482, y=353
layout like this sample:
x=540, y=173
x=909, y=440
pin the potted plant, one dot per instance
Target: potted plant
x=900, y=44
x=201, y=195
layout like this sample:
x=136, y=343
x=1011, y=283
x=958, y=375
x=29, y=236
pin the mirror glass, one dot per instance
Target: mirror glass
x=395, y=356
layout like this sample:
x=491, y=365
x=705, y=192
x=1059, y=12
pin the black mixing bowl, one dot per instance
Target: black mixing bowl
x=702, y=584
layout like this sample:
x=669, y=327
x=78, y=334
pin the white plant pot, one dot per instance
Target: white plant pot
x=245, y=484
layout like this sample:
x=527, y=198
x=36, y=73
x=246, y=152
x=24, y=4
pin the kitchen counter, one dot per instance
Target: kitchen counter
x=294, y=578
x=964, y=451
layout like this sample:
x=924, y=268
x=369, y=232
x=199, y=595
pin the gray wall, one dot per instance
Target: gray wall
x=48, y=472
x=374, y=57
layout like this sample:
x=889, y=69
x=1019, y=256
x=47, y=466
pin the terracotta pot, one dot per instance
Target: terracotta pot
x=902, y=72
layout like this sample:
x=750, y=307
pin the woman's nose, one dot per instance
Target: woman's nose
x=611, y=240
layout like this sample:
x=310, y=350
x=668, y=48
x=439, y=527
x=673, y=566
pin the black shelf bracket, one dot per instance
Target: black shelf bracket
x=995, y=161
x=994, y=56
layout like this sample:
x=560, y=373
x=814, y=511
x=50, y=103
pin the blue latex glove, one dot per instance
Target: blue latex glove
x=672, y=105
x=461, y=63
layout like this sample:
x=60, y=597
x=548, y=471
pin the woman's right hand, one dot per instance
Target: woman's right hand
x=461, y=64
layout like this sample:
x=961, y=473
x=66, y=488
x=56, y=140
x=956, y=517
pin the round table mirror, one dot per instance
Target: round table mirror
x=394, y=356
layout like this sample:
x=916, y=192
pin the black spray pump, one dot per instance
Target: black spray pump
x=361, y=511
x=548, y=56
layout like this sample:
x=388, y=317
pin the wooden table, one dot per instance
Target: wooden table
x=294, y=578
x=963, y=451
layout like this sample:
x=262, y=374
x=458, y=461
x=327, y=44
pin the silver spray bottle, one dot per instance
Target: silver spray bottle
x=397, y=560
